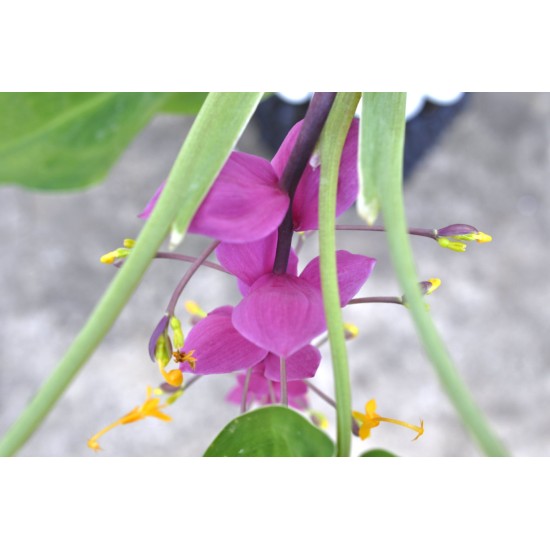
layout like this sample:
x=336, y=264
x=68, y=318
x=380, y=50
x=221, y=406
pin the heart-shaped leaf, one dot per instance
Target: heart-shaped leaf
x=68, y=140
x=376, y=453
x=184, y=103
x=271, y=431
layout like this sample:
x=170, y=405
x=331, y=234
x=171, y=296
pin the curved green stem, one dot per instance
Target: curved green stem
x=383, y=120
x=215, y=132
x=332, y=143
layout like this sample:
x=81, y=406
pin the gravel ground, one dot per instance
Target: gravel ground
x=490, y=169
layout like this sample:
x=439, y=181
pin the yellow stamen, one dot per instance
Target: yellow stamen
x=194, y=309
x=436, y=283
x=109, y=258
x=150, y=407
x=186, y=356
x=117, y=254
x=483, y=238
x=451, y=245
x=351, y=331
x=371, y=420
x=129, y=243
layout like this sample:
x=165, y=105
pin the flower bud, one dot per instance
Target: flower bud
x=179, y=339
x=350, y=331
x=456, y=229
x=163, y=351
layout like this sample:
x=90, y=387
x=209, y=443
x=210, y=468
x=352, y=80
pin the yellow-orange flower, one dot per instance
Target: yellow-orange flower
x=150, y=407
x=371, y=420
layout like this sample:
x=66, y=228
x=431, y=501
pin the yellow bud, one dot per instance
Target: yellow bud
x=179, y=339
x=351, y=331
x=435, y=284
x=483, y=238
x=174, y=378
x=194, y=309
x=108, y=258
x=163, y=351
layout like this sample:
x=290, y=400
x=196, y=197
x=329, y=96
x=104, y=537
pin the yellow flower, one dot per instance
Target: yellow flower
x=150, y=407
x=371, y=420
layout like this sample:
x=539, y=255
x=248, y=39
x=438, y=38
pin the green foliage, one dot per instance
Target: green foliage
x=188, y=103
x=56, y=141
x=271, y=431
x=377, y=453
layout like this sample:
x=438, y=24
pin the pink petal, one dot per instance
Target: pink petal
x=146, y=212
x=302, y=364
x=249, y=261
x=281, y=314
x=244, y=204
x=305, y=204
x=258, y=390
x=218, y=347
x=353, y=271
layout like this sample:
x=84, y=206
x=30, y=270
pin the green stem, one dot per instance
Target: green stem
x=332, y=143
x=215, y=132
x=386, y=113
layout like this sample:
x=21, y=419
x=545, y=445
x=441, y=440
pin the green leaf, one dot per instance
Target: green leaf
x=376, y=453
x=68, y=140
x=388, y=116
x=184, y=103
x=271, y=431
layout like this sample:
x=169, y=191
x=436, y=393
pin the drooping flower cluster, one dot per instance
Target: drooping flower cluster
x=268, y=337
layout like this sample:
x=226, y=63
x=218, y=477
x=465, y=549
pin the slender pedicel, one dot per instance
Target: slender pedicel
x=284, y=385
x=271, y=392
x=447, y=237
x=426, y=287
x=245, y=390
x=190, y=259
x=172, y=256
x=312, y=126
x=431, y=233
x=332, y=403
x=188, y=275
x=377, y=300
x=321, y=393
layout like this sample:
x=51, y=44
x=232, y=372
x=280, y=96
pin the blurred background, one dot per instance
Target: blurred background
x=488, y=165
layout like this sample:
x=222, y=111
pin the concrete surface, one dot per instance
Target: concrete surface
x=491, y=169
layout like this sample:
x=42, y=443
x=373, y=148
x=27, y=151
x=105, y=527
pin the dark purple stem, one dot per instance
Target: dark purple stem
x=314, y=121
x=187, y=277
